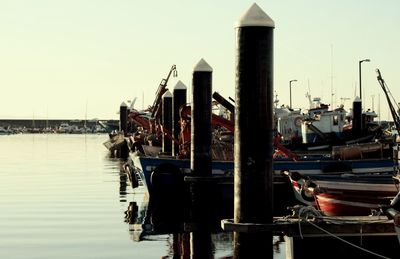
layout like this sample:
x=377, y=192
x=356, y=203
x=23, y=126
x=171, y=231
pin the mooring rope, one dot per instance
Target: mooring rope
x=305, y=212
x=347, y=242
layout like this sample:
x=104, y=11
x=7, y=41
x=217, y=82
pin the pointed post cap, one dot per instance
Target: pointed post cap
x=180, y=86
x=123, y=104
x=357, y=99
x=202, y=66
x=167, y=94
x=255, y=16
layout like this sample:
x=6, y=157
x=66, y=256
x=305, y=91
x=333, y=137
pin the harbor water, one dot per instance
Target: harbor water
x=62, y=196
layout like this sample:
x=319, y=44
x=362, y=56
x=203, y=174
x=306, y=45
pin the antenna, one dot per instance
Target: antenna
x=379, y=107
x=343, y=100
x=276, y=101
x=142, y=100
x=372, y=106
x=308, y=94
x=131, y=107
x=332, y=94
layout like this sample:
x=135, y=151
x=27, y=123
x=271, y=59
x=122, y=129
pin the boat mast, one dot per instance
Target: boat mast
x=332, y=94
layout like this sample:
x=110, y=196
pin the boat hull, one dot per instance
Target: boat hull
x=143, y=168
x=348, y=194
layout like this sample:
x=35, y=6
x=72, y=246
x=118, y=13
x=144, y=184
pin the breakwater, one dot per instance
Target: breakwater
x=29, y=123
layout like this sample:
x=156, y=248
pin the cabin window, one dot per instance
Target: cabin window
x=335, y=120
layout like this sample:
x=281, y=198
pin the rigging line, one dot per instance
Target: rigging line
x=347, y=242
x=390, y=93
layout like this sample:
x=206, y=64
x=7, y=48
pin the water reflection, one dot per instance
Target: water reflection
x=184, y=239
x=190, y=226
x=188, y=239
x=122, y=187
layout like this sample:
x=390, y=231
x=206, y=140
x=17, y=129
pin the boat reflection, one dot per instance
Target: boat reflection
x=147, y=222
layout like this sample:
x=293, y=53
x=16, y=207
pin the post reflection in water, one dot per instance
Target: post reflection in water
x=122, y=187
x=193, y=228
x=192, y=225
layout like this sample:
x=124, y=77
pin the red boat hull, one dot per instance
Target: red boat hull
x=356, y=204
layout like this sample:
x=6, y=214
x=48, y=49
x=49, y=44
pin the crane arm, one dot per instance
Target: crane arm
x=162, y=88
x=395, y=116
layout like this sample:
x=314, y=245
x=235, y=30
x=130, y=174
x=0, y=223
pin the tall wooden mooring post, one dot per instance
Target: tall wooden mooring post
x=200, y=158
x=253, y=201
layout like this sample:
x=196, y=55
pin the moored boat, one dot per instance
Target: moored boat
x=345, y=194
x=145, y=168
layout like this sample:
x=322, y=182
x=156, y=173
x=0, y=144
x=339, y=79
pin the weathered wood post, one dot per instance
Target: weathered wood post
x=253, y=201
x=166, y=122
x=178, y=99
x=200, y=149
x=123, y=150
x=123, y=117
x=200, y=160
x=357, y=116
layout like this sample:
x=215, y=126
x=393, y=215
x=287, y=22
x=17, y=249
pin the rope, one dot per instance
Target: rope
x=306, y=211
x=351, y=244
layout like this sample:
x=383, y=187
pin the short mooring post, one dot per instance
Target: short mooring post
x=123, y=117
x=179, y=99
x=357, y=116
x=167, y=122
x=200, y=160
x=253, y=202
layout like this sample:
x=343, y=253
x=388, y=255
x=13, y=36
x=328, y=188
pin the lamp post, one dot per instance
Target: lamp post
x=359, y=73
x=290, y=91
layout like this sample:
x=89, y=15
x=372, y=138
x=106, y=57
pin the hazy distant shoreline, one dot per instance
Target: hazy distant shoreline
x=43, y=123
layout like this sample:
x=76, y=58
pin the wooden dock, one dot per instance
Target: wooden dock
x=305, y=232
x=321, y=227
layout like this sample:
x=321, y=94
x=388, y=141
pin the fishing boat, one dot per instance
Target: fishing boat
x=345, y=194
x=145, y=168
x=321, y=128
x=393, y=212
x=165, y=171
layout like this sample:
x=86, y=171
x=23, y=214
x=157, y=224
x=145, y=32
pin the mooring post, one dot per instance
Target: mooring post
x=200, y=149
x=123, y=117
x=357, y=116
x=167, y=122
x=253, y=201
x=200, y=161
x=179, y=99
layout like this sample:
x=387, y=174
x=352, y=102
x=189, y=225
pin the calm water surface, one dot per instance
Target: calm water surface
x=63, y=197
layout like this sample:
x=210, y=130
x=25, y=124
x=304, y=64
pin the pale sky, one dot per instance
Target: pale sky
x=82, y=58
